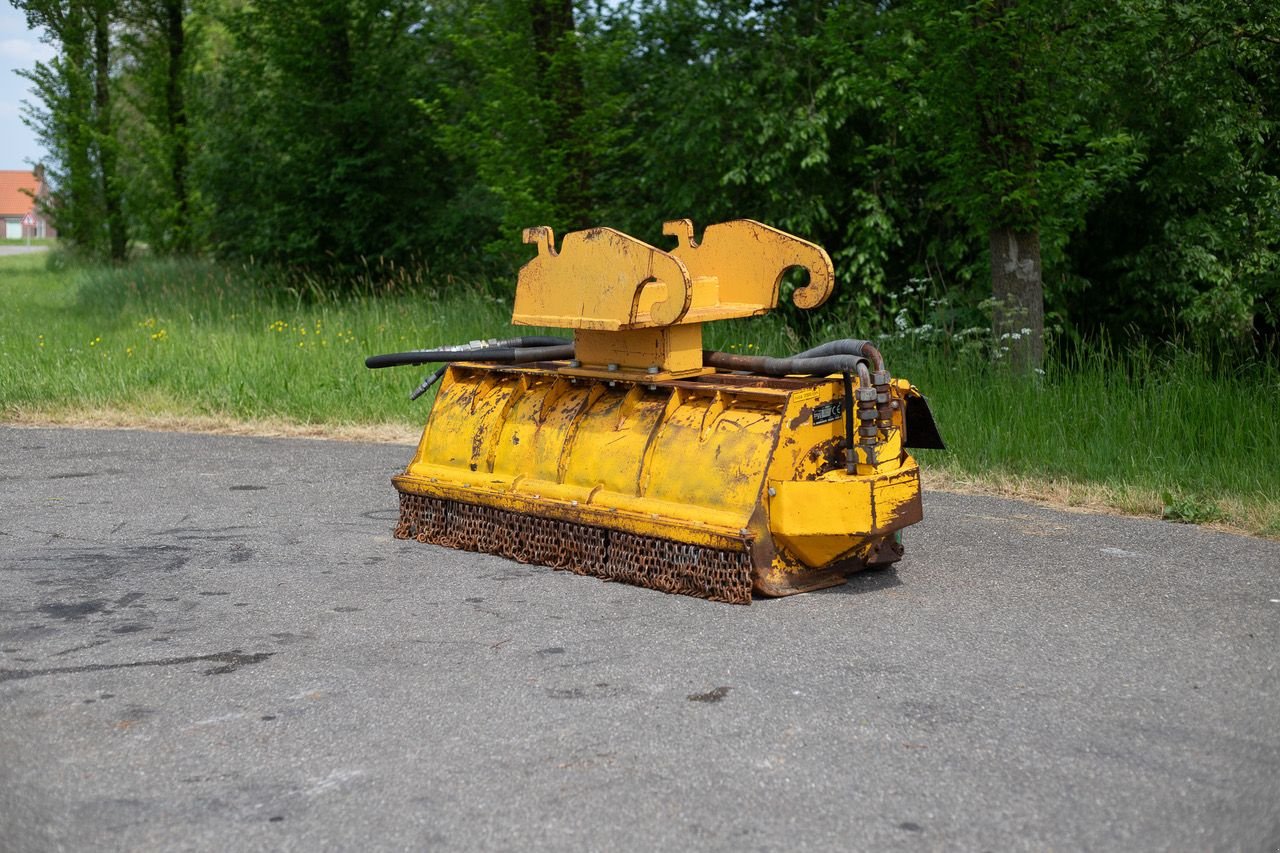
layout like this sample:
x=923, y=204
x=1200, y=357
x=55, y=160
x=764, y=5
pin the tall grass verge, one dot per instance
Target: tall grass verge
x=189, y=337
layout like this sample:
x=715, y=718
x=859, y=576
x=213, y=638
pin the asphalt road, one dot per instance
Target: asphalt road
x=18, y=249
x=214, y=643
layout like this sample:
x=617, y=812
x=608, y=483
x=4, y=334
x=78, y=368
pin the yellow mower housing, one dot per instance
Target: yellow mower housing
x=641, y=458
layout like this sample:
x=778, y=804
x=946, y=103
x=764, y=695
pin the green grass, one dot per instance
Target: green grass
x=1140, y=431
x=191, y=338
x=24, y=241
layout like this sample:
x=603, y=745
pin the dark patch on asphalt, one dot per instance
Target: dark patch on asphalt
x=129, y=628
x=165, y=558
x=239, y=553
x=346, y=609
x=74, y=610
x=230, y=661
x=711, y=695
x=213, y=592
x=80, y=648
x=228, y=533
x=284, y=638
x=911, y=826
x=930, y=715
x=554, y=650
x=599, y=690
x=74, y=475
x=248, y=488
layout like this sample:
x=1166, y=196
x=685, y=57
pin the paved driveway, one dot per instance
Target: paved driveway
x=213, y=643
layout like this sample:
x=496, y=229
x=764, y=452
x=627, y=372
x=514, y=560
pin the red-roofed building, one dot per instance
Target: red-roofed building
x=18, y=210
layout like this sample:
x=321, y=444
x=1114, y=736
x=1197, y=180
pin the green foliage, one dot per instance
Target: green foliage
x=72, y=119
x=312, y=151
x=1192, y=242
x=773, y=112
x=1190, y=509
x=151, y=104
x=1136, y=140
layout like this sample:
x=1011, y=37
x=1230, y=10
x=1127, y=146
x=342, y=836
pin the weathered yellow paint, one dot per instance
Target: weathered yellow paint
x=640, y=437
x=692, y=461
x=673, y=350
x=636, y=307
x=748, y=259
x=821, y=521
x=595, y=281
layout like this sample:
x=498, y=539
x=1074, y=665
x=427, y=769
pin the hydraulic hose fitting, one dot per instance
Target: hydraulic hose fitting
x=884, y=400
x=868, y=413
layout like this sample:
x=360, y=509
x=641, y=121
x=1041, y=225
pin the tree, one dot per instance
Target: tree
x=154, y=43
x=77, y=125
x=312, y=151
x=766, y=110
x=1192, y=242
x=527, y=114
x=1001, y=92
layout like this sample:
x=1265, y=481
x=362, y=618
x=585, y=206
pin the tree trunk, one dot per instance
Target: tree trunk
x=1017, y=315
x=176, y=113
x=117, y=237
x=560, y=81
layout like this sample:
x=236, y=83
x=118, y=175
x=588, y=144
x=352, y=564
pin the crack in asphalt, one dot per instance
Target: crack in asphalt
x=231, y=661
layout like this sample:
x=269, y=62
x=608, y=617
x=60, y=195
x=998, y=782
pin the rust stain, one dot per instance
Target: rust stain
x=802, y=417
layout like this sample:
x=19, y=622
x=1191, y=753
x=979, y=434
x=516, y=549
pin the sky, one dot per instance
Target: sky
x=19, y=48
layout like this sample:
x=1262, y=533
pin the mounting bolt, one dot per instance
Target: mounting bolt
x=773, y=493
x=653, y=368
x=575, y=363
x=612, y=368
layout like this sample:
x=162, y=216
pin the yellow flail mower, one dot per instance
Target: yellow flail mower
x=632, y=454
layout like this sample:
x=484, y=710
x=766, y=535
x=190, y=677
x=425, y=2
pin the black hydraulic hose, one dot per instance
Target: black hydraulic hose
x=498, y=354
x=428, y=382
x=848, y=346
x=471, y=347
x=793, y=366
x=850, y=455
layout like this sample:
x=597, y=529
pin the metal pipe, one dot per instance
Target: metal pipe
x=500, y=355
x=850, y=454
